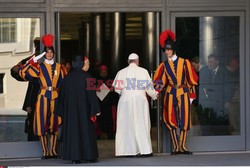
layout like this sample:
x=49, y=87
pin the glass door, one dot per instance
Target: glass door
x=214, y=43
x=19, y=38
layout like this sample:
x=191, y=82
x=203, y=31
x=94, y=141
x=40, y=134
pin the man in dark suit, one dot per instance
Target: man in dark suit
x=215, y=86
x=212, y=85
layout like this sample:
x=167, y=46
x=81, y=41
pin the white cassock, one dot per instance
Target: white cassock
x=133, y=118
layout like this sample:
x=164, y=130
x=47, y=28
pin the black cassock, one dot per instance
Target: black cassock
x=76, y=105
x=30, y=101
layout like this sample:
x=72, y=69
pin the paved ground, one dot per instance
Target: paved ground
x=15, y=125
x=198, y=159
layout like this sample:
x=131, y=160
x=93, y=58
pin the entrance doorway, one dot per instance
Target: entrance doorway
x=107, y=39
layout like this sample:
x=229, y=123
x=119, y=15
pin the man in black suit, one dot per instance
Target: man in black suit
x=213, y=87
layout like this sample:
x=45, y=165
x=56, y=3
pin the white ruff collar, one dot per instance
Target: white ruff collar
x=173, y=58
x=51, y=62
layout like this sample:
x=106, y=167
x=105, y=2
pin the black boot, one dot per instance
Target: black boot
x=186, y=152
x=183, y=138
x=174, y=138
x=45, y=157
x=175, y=152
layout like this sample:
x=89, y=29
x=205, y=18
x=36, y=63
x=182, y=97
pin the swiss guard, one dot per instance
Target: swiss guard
x=176, y=77
x=50, y=75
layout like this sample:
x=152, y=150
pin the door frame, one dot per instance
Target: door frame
x=158, y=29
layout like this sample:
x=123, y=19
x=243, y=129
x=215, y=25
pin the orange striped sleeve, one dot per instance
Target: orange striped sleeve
x=160, y=79
x=29, y=71
x=191, y=74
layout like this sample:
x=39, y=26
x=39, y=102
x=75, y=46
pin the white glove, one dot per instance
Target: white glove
x=155, y=96
x=191, y=100
x=36, y=58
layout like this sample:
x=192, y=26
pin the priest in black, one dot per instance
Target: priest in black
x=78, y=106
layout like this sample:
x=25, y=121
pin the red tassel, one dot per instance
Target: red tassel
x=164, y=36
x=47, y=40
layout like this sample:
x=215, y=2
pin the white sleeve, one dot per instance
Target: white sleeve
x=150, y=87
x=117, y=83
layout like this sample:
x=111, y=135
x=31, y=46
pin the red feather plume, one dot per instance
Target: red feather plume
x=165, y=35
x=47, y=40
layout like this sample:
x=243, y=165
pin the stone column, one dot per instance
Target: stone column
x=117, y=30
